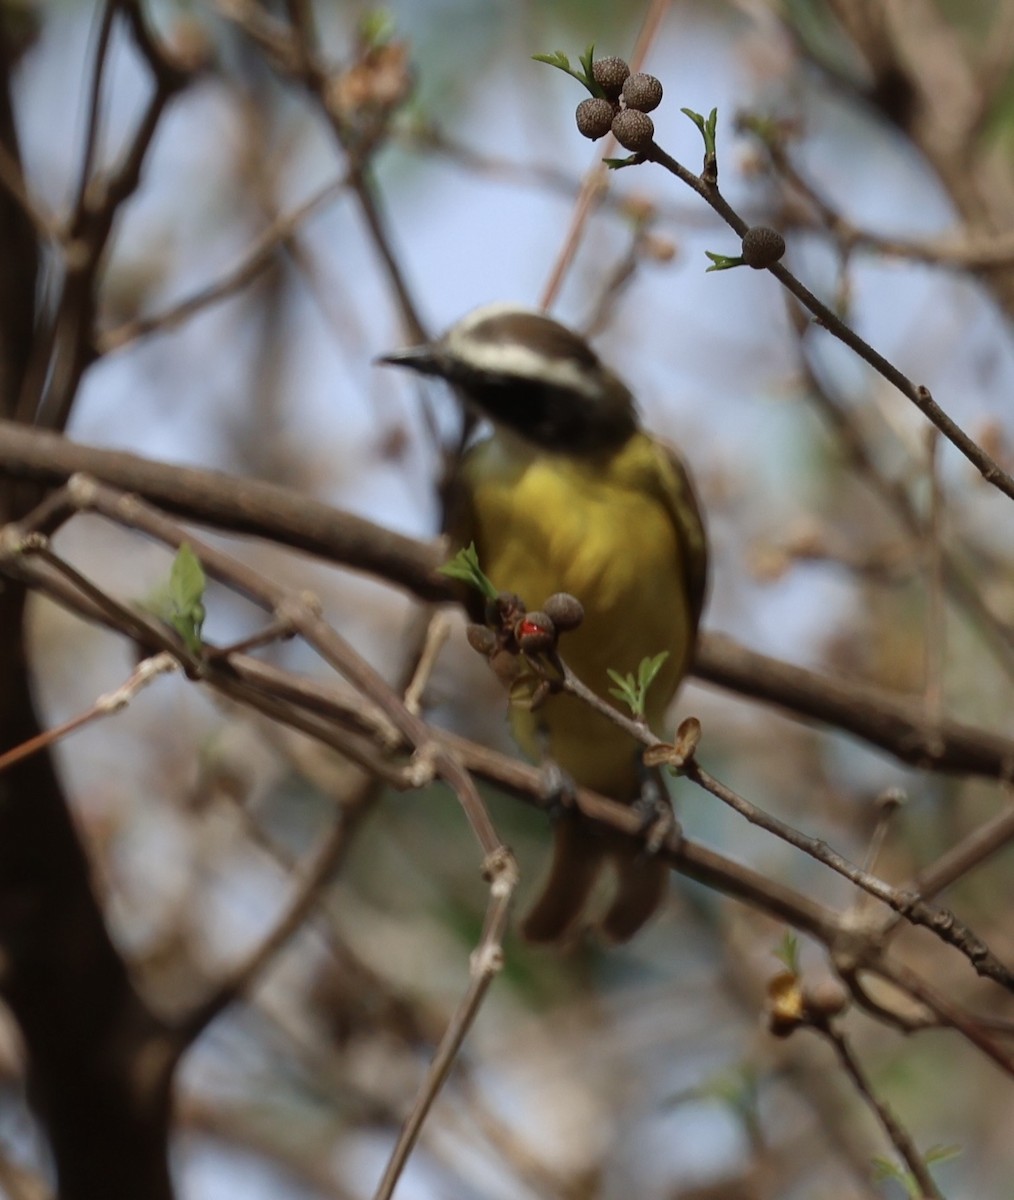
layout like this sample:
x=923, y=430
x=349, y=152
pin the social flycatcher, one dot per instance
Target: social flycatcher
x=570, y=495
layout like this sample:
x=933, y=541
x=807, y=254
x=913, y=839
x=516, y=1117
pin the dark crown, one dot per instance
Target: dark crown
x=528, y=372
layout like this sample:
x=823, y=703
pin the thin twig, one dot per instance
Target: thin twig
x=67, y=347
x=12, y=178
x=256, y=260
x=894, y=494
x=317, y=710
x=486, y=962
x=958, y=252
x=596, y=180
x=920, y=396
x=296, y=520
x=940, y=921
x=970, y=853
x=935, y=613
x=104, y=706
x=895, y=1131
x=438, y=630
x=432, y=759
x=949, y=1014
x=309, y=886
x=93, y=108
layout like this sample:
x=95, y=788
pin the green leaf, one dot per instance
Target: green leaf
x=939, y=1154
x=187, y=580
x=464, y=566
x=376, y=27
x=723, y=262
x=179, y=602
x=633, y=691
x=761, y=125
x=707, y=128
x=615, y=164
x=886, y=1168
x=559, y=60
x=625, y=690
x=649, y=669
x=788, y=952
x=556, y=59
x=739, y=1091
x=187, y=583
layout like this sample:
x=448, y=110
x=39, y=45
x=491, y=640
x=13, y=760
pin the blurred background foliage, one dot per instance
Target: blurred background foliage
x=594, y=1073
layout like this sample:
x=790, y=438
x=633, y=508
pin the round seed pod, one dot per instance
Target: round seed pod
x=536, y=633
x=643, y=92
x=762, y=246
x=594, y=117
x=610, y=74
x=481, y=639
x=633, y=130
x=564, y=610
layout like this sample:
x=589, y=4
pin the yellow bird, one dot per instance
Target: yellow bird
x=569, y=494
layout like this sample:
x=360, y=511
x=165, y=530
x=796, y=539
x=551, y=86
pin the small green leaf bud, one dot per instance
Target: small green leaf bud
x=594, y=117
x=643, y=92
x=633, y=130
x=762, y=246
x=610, y=74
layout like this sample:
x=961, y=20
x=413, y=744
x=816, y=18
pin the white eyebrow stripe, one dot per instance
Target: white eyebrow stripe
x=514, y=359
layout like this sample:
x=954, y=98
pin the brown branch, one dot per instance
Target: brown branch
x=955, y=251
x=293, y=51
x=93, y=104
x=908, y=905
x=948, y=1013
x=98, y=1078
x=257, y=259
x=892, y=1127
x=920, y=78
x=432, y=756
x=485, y=963
x=240, y=506
x=920, y=396
x=897, y=726
x=309, y=886
x=248, y=507
x=19, y=253
x=68, y=347
x=317, y=709
x=104, y=706
x=894, y=494
x=12, y=180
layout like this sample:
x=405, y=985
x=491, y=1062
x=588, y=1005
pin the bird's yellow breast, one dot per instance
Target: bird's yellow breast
x=604, y=529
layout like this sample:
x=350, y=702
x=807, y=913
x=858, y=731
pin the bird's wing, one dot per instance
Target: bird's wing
x=680, y=499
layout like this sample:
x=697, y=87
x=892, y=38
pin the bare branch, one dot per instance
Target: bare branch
x=296, y=520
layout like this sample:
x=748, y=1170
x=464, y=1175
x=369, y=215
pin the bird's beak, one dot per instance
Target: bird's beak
x=424, y=359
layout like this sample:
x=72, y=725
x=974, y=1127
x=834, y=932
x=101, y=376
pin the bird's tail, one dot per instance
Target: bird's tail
x=579, y=854
x=642, y=881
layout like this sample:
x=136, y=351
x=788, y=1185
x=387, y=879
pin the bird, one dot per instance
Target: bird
x=569, y=493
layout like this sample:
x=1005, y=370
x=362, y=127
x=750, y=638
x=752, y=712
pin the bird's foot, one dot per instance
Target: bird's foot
x=558, y=790
x=654, y=808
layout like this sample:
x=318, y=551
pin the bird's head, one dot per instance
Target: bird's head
x=532, y=375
